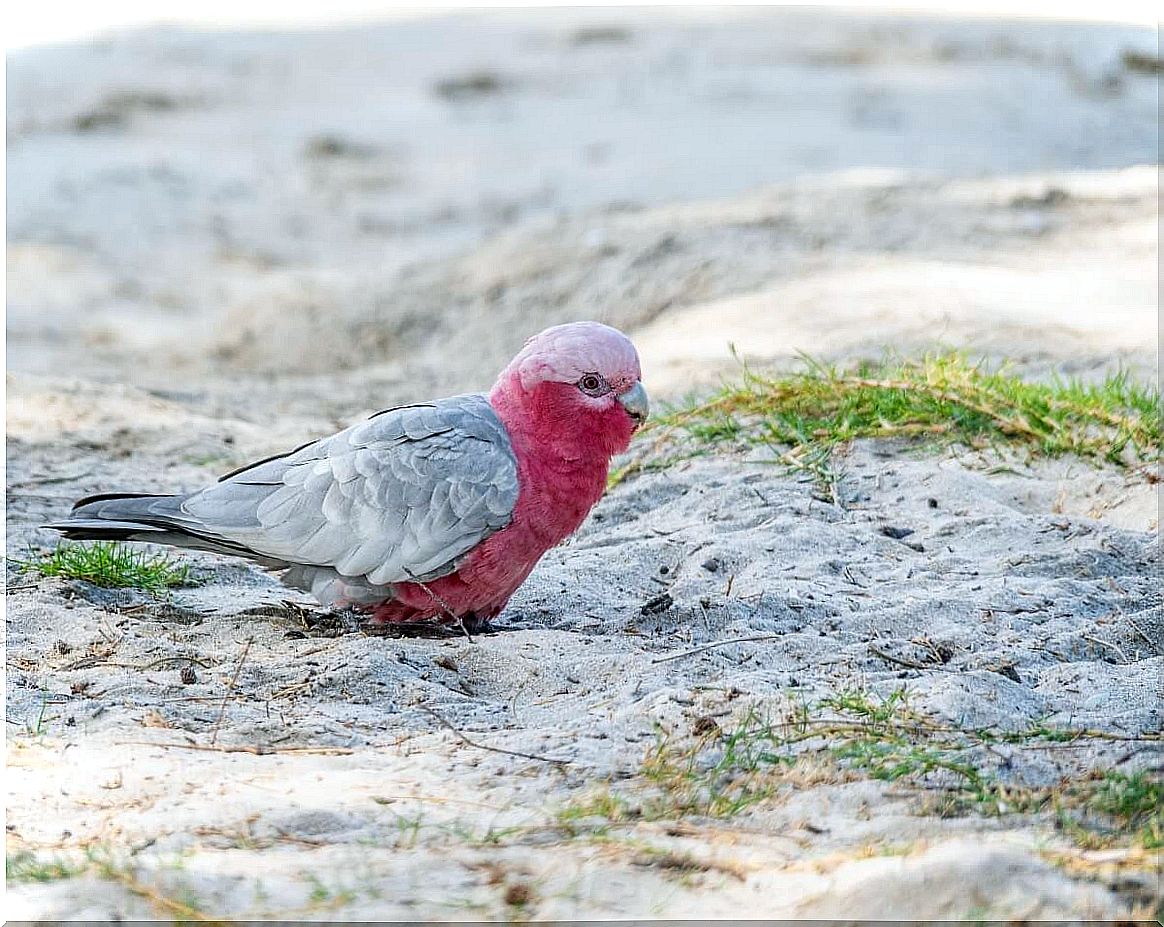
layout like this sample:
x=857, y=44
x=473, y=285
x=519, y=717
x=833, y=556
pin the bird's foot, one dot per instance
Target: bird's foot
x=393, y=621
x=473, y=624
x=332, y=622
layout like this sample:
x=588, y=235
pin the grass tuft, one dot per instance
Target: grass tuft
x=28, y=867
x=111, y=565
x=943, y=399
x=852, y=735
x=1112, y=805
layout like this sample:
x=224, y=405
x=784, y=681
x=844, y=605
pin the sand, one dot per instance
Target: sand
x=214, y=255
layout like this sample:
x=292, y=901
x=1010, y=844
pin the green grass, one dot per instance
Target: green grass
x=38, y=727
x=28, y=867
x=111, y=565
x=163, y=885
x=1112, y=806
x=854, y=735
x=940, y=399
x=491, y=836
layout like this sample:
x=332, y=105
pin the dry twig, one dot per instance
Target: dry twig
x=229, y=689
x=714, y=644
x=900, y=661
x=480, y=746
x=253, y=749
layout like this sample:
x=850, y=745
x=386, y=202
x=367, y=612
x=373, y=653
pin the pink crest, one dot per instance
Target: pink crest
x=564, y=353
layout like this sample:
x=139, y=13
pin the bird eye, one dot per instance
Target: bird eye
x=593, y=385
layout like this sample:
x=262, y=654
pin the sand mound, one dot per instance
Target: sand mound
x=815, y=267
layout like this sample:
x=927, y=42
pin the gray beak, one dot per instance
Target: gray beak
x=635, y=401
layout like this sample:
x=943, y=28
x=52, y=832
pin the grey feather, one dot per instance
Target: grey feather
x=404, y=495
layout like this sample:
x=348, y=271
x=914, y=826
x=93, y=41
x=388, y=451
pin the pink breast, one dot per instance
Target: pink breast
x=550, y=507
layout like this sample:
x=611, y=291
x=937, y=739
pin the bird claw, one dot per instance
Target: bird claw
x=471, y=625
x=333, y=622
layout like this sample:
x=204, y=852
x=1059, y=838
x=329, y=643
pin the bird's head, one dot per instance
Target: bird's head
x=577, y=384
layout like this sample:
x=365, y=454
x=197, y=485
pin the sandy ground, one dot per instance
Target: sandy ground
x=223, y=244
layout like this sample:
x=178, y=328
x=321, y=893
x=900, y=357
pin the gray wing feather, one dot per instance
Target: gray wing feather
x=401, y=496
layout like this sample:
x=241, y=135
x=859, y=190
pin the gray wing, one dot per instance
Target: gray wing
x=401, y=496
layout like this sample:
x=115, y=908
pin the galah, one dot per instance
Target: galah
x=436, y=510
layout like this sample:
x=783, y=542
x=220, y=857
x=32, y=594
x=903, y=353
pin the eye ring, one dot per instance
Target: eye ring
x=592, y=384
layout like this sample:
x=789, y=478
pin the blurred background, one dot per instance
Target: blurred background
x=262, y=206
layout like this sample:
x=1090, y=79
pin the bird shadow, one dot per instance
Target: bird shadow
x=342, y=622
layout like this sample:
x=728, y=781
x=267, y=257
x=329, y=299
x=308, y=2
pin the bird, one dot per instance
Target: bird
x=434, y=511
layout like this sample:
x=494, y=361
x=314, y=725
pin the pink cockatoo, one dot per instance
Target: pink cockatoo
x=437, y=510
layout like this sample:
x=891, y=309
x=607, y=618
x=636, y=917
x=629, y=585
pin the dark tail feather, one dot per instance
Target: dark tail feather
x=109, y=516
x=119, y=515
x=153, y=518
x=118, y=497
x=93, y=529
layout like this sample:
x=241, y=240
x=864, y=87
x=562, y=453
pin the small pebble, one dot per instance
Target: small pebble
x=711, y=564
x=896, y=533
x=705, y=725
x=1008, y=670
x=657, y=604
